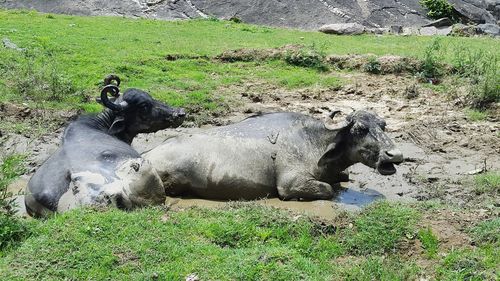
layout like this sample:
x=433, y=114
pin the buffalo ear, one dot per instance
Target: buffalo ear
x=118, y=126
x=337, y=148
x=332, y=154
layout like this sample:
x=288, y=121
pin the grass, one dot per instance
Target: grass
x=476, y=115
x=241, y=241
x=429, y=242
x=470, y=264
x=487, y=231
x=12, y=229
x=488, y=182
x=391, y=223
x=66, y=57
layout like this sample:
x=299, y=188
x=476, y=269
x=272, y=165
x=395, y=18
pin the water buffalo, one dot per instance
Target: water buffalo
x=95, y=164
x=289, y=155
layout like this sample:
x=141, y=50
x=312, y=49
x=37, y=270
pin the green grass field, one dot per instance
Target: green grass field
x=66, y=57
x=243, y=241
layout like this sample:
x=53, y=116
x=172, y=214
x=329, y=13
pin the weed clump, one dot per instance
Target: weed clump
x=372, y=66
x=487, y=231
x=476, y=115
x=487, y=183
x=438, y=9
x=33, y=75
x=482, y=70
x=12, y=229
x=431, y=68
x=309, y=57
x=429, y=241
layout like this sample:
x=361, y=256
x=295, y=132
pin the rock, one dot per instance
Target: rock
x=440, y=23
x=396, y=29
x=472, y=11
x=309, y=15
x=493, y=6
x=489, y=29
x=378, y=30
x=343, y=28
x=475, y=172
x=10, y=45
x=412, y=30
x=431, y=30
x=464, y=30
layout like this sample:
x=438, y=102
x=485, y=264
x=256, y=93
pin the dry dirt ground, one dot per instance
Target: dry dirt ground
x=442, y=147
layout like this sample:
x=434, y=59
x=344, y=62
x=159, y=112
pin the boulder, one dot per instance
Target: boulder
x=378, y=30
x=472, y=11
x=431, y=30
x=412, y=30
x=493, y=6
x=343, y=28
x=442, y=22
x=489, y=29
x=396, y=29
x=464, y=30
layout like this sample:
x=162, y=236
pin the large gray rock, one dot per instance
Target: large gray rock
x=304, y=14
x=440, y=23
x=396, y=29
x=474, y=11
x=343, y=28
x=465, y=30
x=489, y=29
x=493, y=6
x=431, y=30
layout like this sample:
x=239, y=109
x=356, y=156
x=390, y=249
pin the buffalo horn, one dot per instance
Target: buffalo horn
x=110, y=78
x=114, y=91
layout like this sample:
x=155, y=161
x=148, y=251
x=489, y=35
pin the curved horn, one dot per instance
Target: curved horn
x=333, y=113
x=114, y=91
x=110, y=78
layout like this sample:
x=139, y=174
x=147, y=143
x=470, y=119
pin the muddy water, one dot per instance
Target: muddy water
x=347, y=198
x=350, y=199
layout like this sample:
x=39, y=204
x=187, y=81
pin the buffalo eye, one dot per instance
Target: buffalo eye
x=360, y=129
x=144, y=109
x=383, y=125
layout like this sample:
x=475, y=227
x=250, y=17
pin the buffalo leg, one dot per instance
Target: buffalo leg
x=300, y=187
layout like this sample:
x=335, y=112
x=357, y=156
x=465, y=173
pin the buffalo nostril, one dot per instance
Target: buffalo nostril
x=394, y=154
x=181, y=113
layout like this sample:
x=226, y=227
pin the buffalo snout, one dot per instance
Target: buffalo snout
x=388, y=158
x=165, y=116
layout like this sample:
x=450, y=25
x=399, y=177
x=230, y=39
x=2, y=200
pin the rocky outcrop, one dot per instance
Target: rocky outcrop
x=343, y=28
x=304, y=14
x=489, y=29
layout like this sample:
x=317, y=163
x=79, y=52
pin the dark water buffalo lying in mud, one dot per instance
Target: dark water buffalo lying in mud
x=95, y=164
x=289, y=155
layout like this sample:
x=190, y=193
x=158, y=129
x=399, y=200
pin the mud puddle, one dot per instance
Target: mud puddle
x=347, y=199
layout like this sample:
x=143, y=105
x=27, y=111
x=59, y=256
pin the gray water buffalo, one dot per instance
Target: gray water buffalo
x=289, y=155
x=95, y=164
